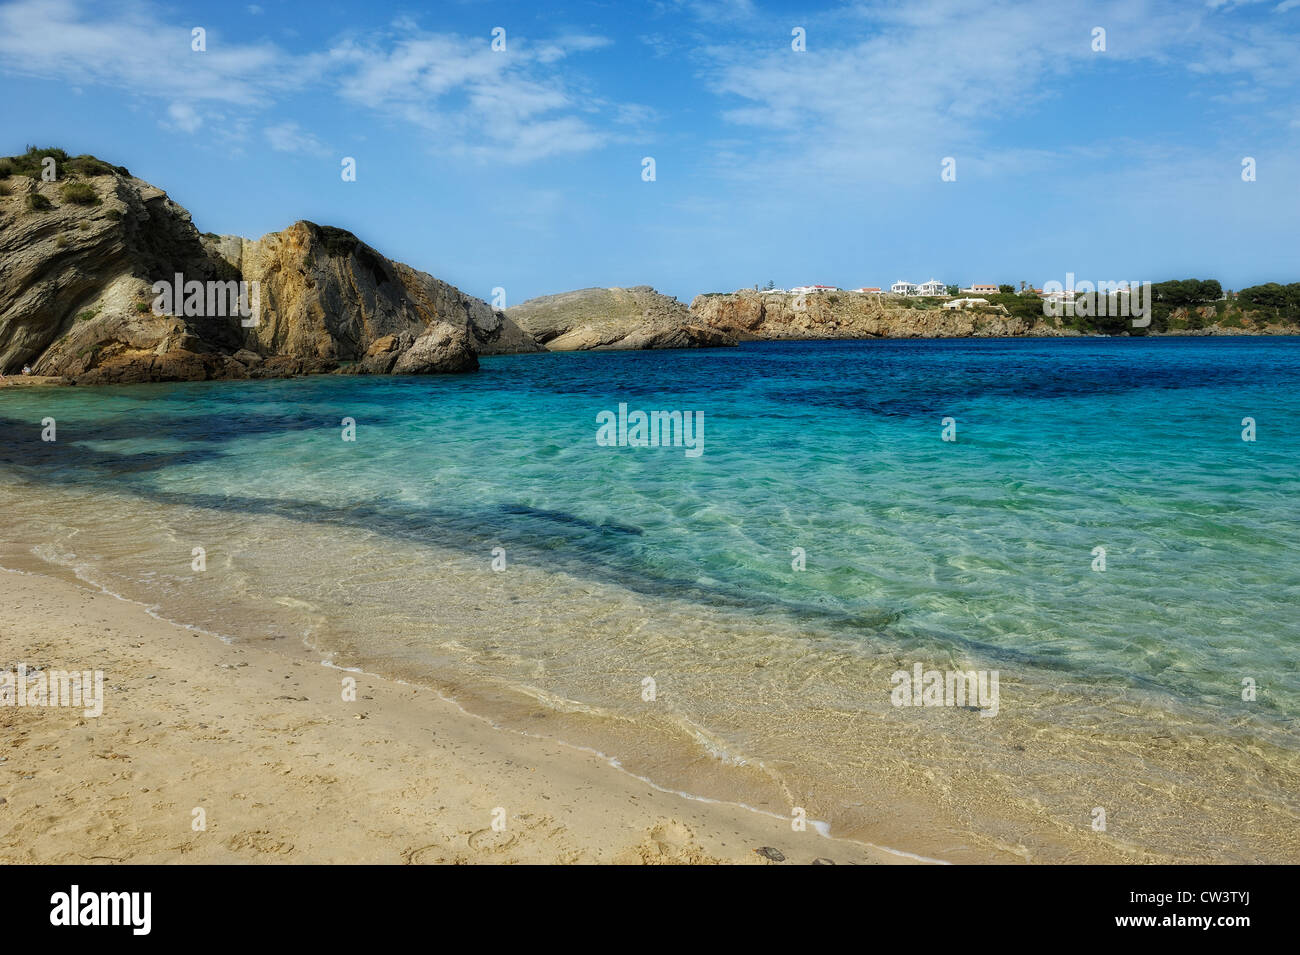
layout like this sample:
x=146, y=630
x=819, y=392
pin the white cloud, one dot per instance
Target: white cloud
x=130, y=49
x=289, y=137
x=514, y=106
x=183, y=116
x=502, y=105
x=887, y=89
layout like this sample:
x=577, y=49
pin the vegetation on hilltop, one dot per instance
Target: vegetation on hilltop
x=32, y=164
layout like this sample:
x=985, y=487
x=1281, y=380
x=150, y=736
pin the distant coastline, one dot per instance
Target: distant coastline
x=88, y=248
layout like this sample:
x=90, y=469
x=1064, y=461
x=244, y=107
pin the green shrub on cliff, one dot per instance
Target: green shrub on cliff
x=79, y=193
x=90, y=166
x=32, y=162
x=38, y=203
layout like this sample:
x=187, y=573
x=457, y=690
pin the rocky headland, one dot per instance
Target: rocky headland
x=615, y=318
x=79, y=256
x=83, y=242
x=781, y=316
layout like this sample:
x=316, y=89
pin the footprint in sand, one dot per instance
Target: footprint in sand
x=488, y=840
x=425, y=855
x=260, y=841
x=668, y=843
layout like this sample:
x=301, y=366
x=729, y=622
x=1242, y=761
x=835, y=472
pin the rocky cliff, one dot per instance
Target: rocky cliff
x=79, y=256
x=776, y=316
x=755, y=315
x=614, y=318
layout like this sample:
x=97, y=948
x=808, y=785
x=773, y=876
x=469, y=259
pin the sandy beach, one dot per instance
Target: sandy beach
x=288, y=772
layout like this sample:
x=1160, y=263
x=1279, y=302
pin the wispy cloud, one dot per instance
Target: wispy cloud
x=513, y=106
x=884, y=90
x=184, y=117
x=289, y=137
x=507, y=104
x=127, y=47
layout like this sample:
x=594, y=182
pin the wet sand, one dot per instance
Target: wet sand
x=286, y=771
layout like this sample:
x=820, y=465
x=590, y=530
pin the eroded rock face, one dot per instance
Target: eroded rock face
x=776, y=316
x=492, y=333
x=326, y=296
x=74, y=282
x=614, y=318
x=76, y=298
x=440, y=349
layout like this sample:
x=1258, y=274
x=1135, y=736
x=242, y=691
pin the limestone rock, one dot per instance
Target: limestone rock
x=383, y=353
x=443, y=348
x=77, y=266
x=751, y=315
x=614, y=318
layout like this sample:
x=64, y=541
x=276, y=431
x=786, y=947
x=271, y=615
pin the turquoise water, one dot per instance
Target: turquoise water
x=1062, y=446
x=979, y=551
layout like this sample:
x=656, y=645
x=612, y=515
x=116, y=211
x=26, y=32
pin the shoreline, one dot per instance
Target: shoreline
x=286, y=771
x=18, y=381
x=761, y=713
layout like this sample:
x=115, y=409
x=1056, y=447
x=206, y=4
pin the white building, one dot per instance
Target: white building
x=965, y=303
x=932, y=287
x=805, y=289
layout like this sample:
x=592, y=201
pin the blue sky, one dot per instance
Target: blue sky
x=523, y=169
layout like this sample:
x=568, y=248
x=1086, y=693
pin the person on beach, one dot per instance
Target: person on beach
x=27, y=369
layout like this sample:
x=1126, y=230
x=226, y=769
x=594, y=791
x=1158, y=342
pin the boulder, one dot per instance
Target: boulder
x=442, y=349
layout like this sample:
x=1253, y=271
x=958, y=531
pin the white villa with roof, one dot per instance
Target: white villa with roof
x=932, y=287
